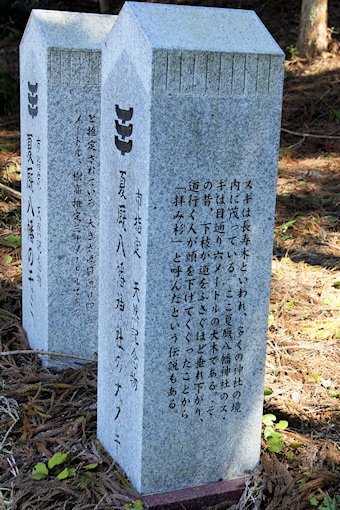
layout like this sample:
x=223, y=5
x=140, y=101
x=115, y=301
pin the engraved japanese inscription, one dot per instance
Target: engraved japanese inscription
x=211, y=228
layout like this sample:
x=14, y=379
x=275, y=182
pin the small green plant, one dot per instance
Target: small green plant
x=285, y=226
x=315, y=376
x=273, y=438
x=284, y=150
x=334, y=115
x=293, y=51
x=16, y=241
x=294, y=444
x=270, y=319
x=11, y=242
x=123, y=480
x=282, y=230
x=326, y=504
x=138, y=505
x=306, y=475
x=4, y=147
x=332, y=299
x=60, y=466
x=40, y=471
x=333, y=393
x=334, y=467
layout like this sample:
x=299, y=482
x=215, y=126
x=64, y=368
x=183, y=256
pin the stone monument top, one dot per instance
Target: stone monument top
x=203, y=28
x=72, y=30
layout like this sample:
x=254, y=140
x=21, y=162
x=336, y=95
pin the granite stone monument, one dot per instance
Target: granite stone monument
x=191, y=108
x=60, y=78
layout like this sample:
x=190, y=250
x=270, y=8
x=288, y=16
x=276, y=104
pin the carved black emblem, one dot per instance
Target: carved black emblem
x=124, y=115
x=123, y=130
x=33, y=99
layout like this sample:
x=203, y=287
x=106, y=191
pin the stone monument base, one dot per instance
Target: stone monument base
x=193, y=498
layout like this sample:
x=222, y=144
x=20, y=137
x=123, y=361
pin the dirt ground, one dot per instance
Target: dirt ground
x=42, y=411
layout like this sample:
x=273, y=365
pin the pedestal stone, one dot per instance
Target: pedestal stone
x=60, y=77
x=191, y=107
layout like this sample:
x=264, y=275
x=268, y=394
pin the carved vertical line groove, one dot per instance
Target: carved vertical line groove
x=180, y=71
x=71, y=68
x=154, y=72
x=206, y=72
x=219, y=74
x=167, y=71
x=61, y=73
x=232, y=75
x=257, y=72
x=269, y=73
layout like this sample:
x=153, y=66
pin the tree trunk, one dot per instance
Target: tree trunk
x=313, y=35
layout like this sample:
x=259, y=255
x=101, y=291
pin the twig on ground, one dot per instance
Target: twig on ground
x=13, y=465
x=253, y=492
x=10, y=191
x=309, y=134
x=9, y=406
x=47, y=353
x=311, y=450
x=296, y=145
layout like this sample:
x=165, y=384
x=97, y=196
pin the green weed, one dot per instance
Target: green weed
x=138, y=505
x=123, y=480
x=334, y=115
x=293, y=51
x=282, y=233
x=270, y=319
x=11, y=242
x=333, y=393
x=326, y=504
x=273, y=438
x=60, y=466
x=286, y=225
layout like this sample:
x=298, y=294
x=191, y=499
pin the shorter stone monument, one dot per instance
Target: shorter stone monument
x=191, y=108
x=60, y=76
